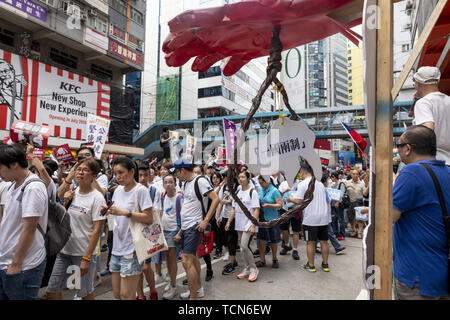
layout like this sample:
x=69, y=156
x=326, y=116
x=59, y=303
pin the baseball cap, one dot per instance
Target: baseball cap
x=181, y=163
x=427, y=75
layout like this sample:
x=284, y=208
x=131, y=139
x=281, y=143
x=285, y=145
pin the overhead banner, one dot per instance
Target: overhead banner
x=229, y=129
x=46, y=95
x=97, y=130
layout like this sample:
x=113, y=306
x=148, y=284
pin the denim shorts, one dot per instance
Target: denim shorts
x=190, y=239
x=127, y=265
x=271, y=235
x=65, y=267
x=158, y=258
x=169, y=235
x=22, y=286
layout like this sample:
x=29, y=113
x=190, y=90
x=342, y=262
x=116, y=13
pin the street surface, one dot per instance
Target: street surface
x=289, y=282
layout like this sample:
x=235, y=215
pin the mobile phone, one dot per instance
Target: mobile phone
x=104, y=211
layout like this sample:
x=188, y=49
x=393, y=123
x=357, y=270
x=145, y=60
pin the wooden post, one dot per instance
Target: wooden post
x=383, y=151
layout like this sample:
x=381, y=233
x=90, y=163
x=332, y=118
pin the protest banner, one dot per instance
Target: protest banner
x=97, y=132
x=63, y=153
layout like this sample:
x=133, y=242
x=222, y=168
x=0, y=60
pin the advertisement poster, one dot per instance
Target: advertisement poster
x=191, y=142
x=26, y=132
x=46, y=95
x=97, y=130
x=346, y=158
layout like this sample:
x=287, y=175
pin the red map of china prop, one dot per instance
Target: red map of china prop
x=242, y=31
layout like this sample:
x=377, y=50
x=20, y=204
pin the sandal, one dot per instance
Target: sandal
x=359, y=235
x=260, y=264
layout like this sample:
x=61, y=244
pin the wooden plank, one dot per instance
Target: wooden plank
x=383, y=152
x=418, y=47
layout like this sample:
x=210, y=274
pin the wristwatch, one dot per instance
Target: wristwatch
x=129, y=214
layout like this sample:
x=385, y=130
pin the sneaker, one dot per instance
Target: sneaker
x=318, y=250
x=295, y=255
x=167, y=278
x=138, y=298
x=185, y=295
x=105, y=272
x=284, y=251
x=253, y=275
x=170, y=294
x=340, y=238
x=275, y=264
x=209, y=275
x=256, y=253
x=185, y=282
x=226, y=256
x=307, y=267
x=75, y=297
x=153, y=296
x=158, y=278
x=229, y=268
x=325, y=267
x=167, y=287
x=244, y=274
x=218, y=254
x=267, y=250
x=339, y=251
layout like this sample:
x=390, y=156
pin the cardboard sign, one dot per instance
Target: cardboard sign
x=39, y=153
x=26, y=132
x=97, y=133
x=63, y=153
x=335, y=194
x=281, y=149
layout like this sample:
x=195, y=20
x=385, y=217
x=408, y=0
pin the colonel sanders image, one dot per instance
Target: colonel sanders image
x=152, y=232
x=11, y=86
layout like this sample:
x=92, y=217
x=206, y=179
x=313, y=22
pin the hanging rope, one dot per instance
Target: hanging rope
x=273, y=68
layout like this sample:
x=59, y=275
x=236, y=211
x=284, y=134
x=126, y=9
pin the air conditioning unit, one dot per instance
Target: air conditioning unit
x=407, y=26
x=93, y=12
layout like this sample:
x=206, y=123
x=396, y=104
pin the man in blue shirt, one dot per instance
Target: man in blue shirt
x=271, y=202
x=420, y=242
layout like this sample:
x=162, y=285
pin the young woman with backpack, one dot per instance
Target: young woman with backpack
x=124, y=265
x=86, y=223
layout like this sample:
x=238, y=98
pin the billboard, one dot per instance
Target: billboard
x=43, y=94
x=293, y=77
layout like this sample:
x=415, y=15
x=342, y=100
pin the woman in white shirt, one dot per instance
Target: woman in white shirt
x=124, y=265
x=86, y=224
x=243, y=225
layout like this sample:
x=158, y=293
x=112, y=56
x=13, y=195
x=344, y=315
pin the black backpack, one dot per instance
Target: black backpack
x=345, y=203
x=58, y=225
x=200, y=196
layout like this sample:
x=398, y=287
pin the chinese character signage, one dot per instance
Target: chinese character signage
x=117, y=34
x=126, y=53
x=29, y=7
x=97, y=132
x=135, y=43
x=63, y=153
x=26, y=132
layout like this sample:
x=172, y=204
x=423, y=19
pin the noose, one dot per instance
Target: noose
x=274, y=66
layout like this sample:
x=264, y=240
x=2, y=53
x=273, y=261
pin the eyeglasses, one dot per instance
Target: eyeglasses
x=398, y=145
x=84, y=170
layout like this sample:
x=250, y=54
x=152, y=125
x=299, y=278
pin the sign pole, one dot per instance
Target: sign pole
x=383, y=152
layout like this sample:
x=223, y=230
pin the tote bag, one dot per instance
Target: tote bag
x=148, y=239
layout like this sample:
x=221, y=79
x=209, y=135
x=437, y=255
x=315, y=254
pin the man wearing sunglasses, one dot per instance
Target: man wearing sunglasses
x=419, y=233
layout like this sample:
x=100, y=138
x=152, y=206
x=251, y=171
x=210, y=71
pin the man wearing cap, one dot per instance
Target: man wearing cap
x=193, y=222
x=433, y=108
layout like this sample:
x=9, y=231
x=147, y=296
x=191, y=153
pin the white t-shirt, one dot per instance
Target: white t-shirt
x=34, y=204
x=242, y=223
x=122, y=239
x=102, y=180
x=191, y=210
x=169, y=216
x=435, y=107
x=316, y=213
x=83, y=211
x=225, y=195
x=3, y=191
x=159, y=185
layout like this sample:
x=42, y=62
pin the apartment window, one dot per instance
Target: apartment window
x=100, y=72
x=210, y=92
x=349, y=77
x=350, y=71
x=349, y=58
x=6, y=37
x=211, y=72
x=119, y=6
x=63, y=58
x=98, y=24
x=350, y=91
x=228, y=94
x=51, y=3
x=349, y=84
x=72, y=8
x=136, y=16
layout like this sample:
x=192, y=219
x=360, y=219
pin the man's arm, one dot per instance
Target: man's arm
x=97, y=186
x=215, y=201
x=29, y=226
x=428, y=124
x=395, y=215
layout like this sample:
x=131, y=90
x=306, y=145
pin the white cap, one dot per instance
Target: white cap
x=427, y=75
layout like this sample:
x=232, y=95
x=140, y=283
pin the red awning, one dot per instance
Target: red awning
x=436, y=47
